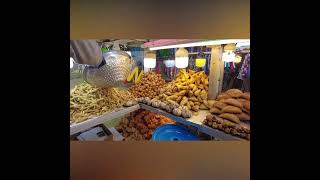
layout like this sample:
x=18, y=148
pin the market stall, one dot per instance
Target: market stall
x=193, y=97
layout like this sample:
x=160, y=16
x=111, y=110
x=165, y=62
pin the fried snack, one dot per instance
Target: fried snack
x=231, y=109
x=87, y=101
x=243, y=117
x=242, y=100
x=234, y=94
x=245, y=110
x=230, y=117
x=220, y=105
x=149, y=85
x=211, y=103
x=227, y=126
x=246, y=105
x=215, y=110
x=203, y=107
x=141, y=124
x=188, y=89
x=223, y=96
x=245, y=96
x=210, y=117
x=237, y=91
x=233, y=102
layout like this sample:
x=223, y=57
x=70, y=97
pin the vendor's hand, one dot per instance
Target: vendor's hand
x=86, y=52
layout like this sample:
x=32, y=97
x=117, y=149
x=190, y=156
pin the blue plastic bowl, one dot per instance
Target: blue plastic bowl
x=172, y=132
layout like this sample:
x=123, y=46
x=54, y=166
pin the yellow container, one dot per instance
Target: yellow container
x=200, y=62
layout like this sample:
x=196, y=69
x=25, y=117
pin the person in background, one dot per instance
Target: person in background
x=86, y=52
x=244, y=73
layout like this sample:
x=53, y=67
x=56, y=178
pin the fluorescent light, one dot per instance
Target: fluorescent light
x=202, y=43
x=240, y=44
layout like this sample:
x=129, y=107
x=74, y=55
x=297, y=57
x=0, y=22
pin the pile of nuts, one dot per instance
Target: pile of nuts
x=227, y=127
x=148, y=86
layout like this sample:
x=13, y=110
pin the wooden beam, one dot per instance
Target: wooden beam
x=214, y=74
x=221, y=72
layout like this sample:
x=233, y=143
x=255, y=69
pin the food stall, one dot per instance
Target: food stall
x=193, y=100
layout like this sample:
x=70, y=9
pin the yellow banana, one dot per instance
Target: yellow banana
x=139, y=77
x=136, y=75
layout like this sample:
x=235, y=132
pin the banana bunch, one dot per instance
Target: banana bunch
x=135, y=74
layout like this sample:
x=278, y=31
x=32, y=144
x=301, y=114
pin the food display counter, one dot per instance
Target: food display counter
x=193, y=98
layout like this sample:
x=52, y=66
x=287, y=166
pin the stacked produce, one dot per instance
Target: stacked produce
x=140, y=125
x=169, y=105
x=227, y=126
x=233, y=105
x=190, y=89
x=87, y=101
x=148, y=86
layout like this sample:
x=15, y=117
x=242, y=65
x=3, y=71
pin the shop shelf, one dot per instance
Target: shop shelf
x=193, y=121
x=75, y=128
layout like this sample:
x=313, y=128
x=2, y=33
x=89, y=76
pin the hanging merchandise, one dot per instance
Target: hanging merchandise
x=164, y=53
x=244, y=71
x=169, y=65
x=248, y=74
x=208, y=57
x=104, y=50
x=138, y=55
x=231, y=67
x=159, y=64
x=168, y=68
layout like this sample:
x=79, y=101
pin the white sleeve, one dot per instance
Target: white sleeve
x=86, y=52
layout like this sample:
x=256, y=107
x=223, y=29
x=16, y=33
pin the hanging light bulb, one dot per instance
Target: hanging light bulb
x=149, y=60
x=169, y=63
x=181, y=58
x=229, y=55
x=200, y=60
x=237, y=59
x=229, y=48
